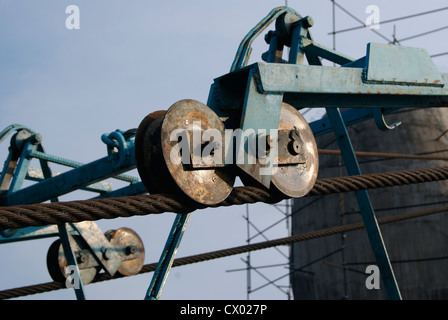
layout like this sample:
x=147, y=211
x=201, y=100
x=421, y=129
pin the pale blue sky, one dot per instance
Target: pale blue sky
x=130, y=58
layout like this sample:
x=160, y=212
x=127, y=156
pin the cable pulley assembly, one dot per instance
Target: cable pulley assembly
x=189, y=156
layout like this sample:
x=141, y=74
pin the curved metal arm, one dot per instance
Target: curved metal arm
x=13, y=127
x=244, y=49
x=378, y=116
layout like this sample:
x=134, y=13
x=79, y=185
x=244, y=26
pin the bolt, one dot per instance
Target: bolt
x=130, y=250
x=307, y=22
x=295, y=143
x=263, y=150
x=268, y=36
x=107, y=253
x=82, y=258
x=36, y=138
x=214, y=179
x=295, y=147
x=270, y=142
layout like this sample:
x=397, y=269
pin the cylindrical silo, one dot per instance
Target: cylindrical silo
x=417, y=248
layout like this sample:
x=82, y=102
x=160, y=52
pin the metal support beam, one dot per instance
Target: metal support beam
x=22, y=168
x=166, y=259
x=71, y=261
x=74, y=179
x=365, y=206
x=351, y=116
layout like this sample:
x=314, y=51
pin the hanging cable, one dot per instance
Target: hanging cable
x=390, y=20
x=361, y=22
x=51, y=286
x=439, y=54
x=423, y=34
x=41, y=214
x=384, y=155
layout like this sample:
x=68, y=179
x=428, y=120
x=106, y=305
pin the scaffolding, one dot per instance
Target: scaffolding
x=286, y=207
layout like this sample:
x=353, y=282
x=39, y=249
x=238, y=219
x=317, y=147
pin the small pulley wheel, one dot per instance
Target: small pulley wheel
x=131, y=245
x=56, y=262
x=296, y=180
x=159, y=159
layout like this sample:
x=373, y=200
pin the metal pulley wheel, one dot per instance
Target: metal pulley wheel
x=148, y=155
x=167, y=146
x=130, y=246
x=297, y=162
x=297, y=172
x=57, y=263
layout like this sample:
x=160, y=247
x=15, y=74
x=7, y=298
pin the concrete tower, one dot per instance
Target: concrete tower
x=417, y=248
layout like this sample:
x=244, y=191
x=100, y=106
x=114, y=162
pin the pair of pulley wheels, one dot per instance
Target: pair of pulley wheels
x=57, y=262
x=163, y=169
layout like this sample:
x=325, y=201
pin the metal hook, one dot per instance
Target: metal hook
x=378, y=116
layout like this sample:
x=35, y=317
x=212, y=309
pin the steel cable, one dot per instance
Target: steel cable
x=20, y=216
x=385, y=155
x=51, y=286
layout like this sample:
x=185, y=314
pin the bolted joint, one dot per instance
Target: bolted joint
x=268, y=36
x=307, y=22
x=107, y=253
x=295, y=145
x=82, y=258
x=20, y=138
x=35, y=138
x=130, y=250
x=270, y=142
x=264, y=144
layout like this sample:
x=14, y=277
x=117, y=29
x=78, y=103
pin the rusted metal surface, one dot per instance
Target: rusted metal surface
x=159, y=159
x=99, y=245
x=207, y=186
x=148, y=155
x=56, y=261
x=296, y=180
x=130, y=246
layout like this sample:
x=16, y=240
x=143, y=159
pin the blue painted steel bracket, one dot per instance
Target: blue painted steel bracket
x=31, y=233
x=71, y=261
x=25, y=146
x=323, y=86
x=259, y=112
x=351, y=116
x=244, y=49
x=395, y=65
x=365, y=206
x=167, y=257
x=74, y=179
x=312, y=48
x=98, y=245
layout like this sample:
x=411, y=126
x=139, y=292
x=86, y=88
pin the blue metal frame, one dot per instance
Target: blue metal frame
x=251, y=97
x=71, y=261
x=365, y=206
x=167, y=257
x=370, y=87
x=16, y=169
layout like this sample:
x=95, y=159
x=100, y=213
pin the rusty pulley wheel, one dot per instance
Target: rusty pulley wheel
x=149, y=160
x=57, y=263
x=297, y=161
x=163, y=153
x=130, y=245
x=296, y=180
